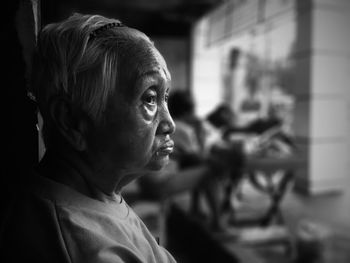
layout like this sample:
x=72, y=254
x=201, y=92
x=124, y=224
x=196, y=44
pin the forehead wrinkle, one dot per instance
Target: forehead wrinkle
x=144, y=61
x=149, y=73
x=149, y=77
x=154, y=63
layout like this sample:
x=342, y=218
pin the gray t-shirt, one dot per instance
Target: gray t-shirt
x=51, y=222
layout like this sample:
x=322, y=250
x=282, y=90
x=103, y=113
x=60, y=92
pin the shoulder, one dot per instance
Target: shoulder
x=31, y=228
x=46, y=228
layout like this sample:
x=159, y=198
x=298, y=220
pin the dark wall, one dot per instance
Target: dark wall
x=19, y=134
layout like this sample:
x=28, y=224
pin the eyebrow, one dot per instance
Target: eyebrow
x=151, y=72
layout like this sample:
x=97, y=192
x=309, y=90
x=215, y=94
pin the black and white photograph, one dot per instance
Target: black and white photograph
x=164, y=131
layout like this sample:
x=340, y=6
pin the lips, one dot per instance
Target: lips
x=166, y=148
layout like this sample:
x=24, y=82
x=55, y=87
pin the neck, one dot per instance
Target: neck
x=72, y=170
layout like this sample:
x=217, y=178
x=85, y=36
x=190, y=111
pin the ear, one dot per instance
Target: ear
x=69, y=124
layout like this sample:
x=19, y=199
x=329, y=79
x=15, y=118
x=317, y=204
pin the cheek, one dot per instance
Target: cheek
x=136, y=142
x=146, y=126
x=148, y=114
x=143, y=140
x=130, y=141
x=127, y=149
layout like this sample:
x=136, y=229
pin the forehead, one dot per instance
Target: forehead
x=142, y=61
x=149, y=60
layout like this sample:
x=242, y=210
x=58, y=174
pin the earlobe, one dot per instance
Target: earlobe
x=71, y=126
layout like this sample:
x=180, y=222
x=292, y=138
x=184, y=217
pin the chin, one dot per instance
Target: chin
x=158, y=164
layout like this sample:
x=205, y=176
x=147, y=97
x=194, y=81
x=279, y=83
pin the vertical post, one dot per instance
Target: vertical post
x=19, y=138
x=324, y=97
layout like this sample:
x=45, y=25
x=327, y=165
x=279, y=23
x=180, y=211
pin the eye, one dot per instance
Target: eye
x=150, y=97
x=166, y=98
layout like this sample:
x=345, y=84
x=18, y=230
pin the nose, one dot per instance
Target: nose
x=166, y=124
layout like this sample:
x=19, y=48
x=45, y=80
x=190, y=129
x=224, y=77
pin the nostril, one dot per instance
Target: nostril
x=167, y=126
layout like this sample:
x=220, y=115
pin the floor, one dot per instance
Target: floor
x=322, y=219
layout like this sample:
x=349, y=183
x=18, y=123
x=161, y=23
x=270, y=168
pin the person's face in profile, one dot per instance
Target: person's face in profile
x=136, y=135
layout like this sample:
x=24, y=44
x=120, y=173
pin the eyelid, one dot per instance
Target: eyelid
x=153, y=92
x=150, y=93
x=156, y=91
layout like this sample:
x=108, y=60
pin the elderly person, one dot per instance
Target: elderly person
x=102, y=89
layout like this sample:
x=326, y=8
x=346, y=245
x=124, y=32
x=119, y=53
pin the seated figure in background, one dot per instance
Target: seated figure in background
x=221, y=119
x=193, y=144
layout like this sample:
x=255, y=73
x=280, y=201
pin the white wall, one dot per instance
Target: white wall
x=330, y=90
